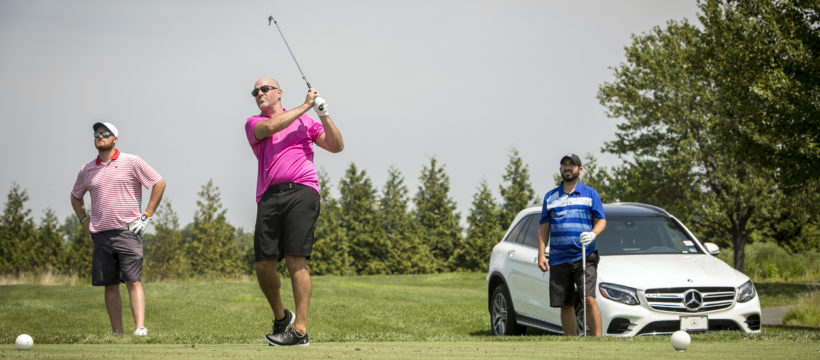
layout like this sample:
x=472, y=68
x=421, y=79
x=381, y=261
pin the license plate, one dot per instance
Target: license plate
x=694, y=323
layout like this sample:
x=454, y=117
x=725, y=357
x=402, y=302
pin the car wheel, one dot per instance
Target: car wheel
x=502, y=315
x=579, y=318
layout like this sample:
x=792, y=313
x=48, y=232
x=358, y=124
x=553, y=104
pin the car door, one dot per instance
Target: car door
x=531, y=284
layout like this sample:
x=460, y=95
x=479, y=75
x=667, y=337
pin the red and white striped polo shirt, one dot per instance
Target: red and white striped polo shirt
x=116, y=196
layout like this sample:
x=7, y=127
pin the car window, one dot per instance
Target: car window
x=515, y=234
x=644, y=235
x=530, y=237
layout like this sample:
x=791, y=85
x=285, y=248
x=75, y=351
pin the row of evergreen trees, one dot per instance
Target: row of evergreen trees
x=364, y=231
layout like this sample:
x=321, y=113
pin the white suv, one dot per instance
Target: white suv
x=654, y=277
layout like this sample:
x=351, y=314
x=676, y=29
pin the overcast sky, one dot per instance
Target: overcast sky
x=462, y=80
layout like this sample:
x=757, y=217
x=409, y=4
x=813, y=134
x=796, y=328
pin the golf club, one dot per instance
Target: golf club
x=271, y=19
x=584, y=271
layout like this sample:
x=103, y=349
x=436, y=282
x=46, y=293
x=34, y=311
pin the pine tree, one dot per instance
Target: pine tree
x=407, y=253
x=49, y=242
x=18, y=242
x=212, y=249
x=331, y=248
x=483, y=232
x=78, y=249
x=164, y=256
x=516, y=191
x=358, y=199
x=436, y=215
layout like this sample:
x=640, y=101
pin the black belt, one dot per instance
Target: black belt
x=277, y=188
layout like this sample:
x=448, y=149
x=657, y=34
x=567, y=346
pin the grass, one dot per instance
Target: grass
x=806, y=312
x=536, y=348
x=779, y=294
x=379, y=308
x=371, y=317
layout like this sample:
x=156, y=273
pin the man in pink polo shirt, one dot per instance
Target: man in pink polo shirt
x=287, y=196
x=115, y=222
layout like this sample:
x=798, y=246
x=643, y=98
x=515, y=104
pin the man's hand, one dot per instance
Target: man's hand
x=320, y=105
x=587, y=237
x=86, y=223
x=139, y=226
x=543, y=263
x=311, y=96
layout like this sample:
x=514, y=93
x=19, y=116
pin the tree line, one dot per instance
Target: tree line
x=363, y=231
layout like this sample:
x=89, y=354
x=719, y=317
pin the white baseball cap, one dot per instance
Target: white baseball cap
x=109, y=126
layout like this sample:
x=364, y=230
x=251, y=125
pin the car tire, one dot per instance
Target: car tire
x=502, y=314
x=579, y=318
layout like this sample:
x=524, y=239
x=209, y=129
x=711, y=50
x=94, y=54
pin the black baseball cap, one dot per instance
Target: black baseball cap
x=575, y=158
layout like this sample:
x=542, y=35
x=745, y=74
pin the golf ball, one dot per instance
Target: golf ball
x=680, y=340
x=24, y=342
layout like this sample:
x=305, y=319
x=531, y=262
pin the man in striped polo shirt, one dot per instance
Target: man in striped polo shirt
x=116, y=224
x=572, y=216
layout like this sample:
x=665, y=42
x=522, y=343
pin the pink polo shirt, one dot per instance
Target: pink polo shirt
x=115, y=187
x=286, y=156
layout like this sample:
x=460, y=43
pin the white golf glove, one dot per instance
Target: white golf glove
x=139, y=226
x=320, y=105
x=587, y=237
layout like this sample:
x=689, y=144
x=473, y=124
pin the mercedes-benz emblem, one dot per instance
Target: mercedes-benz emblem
x=692, y=300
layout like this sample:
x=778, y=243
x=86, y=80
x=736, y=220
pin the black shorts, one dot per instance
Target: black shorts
x=566, y=278
x=285, y=219
x=117, y=257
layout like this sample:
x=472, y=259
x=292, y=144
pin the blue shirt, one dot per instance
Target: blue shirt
x=569, y=215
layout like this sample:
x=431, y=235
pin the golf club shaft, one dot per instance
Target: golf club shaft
x=584, y=271
x=270, y=18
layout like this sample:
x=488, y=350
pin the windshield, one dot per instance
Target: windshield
x=644, y=235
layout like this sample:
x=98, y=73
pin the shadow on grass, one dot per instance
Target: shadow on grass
x=530, y=332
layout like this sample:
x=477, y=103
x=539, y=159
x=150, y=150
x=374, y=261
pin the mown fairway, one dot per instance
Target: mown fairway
x=372, y=317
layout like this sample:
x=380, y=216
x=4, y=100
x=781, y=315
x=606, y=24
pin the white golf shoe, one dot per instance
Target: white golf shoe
x=140, y=331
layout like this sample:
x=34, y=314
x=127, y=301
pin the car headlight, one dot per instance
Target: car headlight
x=746, y=292
x=621, y=294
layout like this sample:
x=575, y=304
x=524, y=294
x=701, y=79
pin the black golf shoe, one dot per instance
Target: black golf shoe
x=289, y=337
x=279, y=326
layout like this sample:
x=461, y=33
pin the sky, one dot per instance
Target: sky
x=463, y=81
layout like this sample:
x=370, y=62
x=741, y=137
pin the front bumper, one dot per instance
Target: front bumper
x=631, y=320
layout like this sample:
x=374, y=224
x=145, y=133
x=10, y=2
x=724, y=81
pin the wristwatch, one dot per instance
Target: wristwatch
x=144, y=217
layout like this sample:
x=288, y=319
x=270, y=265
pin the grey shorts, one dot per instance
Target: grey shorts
x=285, y=219
x=117, y=257
x=566, y=278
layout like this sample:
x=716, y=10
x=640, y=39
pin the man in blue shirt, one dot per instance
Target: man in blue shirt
x=572, y=216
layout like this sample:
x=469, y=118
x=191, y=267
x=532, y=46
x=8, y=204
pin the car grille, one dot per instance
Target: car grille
x=690, y=300
x=668, y=327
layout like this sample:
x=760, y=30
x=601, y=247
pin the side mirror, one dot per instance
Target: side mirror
x=712, y=248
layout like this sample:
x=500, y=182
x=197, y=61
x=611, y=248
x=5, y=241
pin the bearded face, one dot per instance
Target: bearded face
x=103, y=143
x=570, y=171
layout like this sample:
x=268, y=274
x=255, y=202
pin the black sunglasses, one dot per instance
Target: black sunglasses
x=264, y=88
x=105, y=134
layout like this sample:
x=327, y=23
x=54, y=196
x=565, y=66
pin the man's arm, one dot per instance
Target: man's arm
x=599, y=227
x=543, y=237
x=281, y=121
x=331, y=139
x=156, y=196
x=79, y=210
